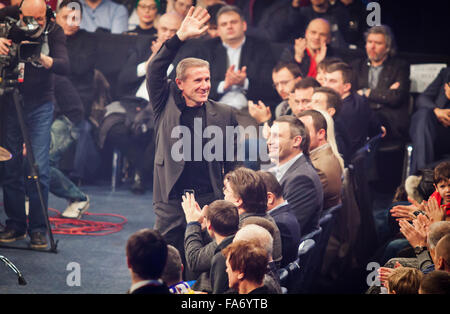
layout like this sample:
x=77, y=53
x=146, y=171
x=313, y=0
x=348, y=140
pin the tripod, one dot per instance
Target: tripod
x=34, y=169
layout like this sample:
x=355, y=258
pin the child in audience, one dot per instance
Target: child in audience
x=404, y=280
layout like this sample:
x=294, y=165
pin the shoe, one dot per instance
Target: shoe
x=38, y=240
x=76, y=209
x=10, y=235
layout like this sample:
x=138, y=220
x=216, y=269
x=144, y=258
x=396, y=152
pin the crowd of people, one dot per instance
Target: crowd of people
x=226, y=223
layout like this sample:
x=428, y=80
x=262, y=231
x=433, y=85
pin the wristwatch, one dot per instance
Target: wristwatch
x=419, y=249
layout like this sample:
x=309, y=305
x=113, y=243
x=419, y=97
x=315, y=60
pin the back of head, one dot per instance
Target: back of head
x=173, y=271
x=224, y=217
x=147, y=253
x=436, y=232
x=255, y=232
x=249, y=258
x=443, y=252
x=435, y=282
x=297, y=128
x=405, y=280
x=271, y=182
x=249, y=186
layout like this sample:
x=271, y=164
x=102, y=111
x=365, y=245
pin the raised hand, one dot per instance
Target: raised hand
x=260, y=112
x=191, y=208
x=412, y=234
x=233, y=77
x=194, y=24
x=299, y=49
x=434, y=211
x=322, y=52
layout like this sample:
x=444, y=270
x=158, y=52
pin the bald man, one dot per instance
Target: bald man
x=37, y=92
x=441, y=257
x=309, y=51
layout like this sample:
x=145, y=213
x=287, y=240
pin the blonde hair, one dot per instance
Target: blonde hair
x=331, y=139
x=405, y=280
x=187, y=63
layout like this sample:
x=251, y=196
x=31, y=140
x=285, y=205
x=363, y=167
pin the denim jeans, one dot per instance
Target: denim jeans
x=63, y=134
x=16, y=183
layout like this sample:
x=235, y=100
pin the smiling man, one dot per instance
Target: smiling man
x=177, y=104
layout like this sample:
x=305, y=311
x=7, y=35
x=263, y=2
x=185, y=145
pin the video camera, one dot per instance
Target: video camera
x=12, y=65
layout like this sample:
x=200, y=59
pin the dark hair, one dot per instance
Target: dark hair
x=66, y=3
x=333, y=98
x=442, y=172
x=172, y=273
x=345, y=69
x=271, y=182
x=249, y=186
x=290, y=66
x=435, y=282
x=230, y=8
x=147, y=253
x=224, y=217
x=319, y=121
x=249, y=258
x=212, y=11
x=307, y=82
x=327, y=61
x=297, y=128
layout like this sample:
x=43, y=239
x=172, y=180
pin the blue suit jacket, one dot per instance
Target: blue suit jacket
x=289, y=230
x=303, y=191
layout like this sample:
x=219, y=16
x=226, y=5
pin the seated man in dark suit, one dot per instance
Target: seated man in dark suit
x=384, y=80
x=288, y=144
x=280, y=210
x=146, y=253
x=356, y=114
x=429, y=129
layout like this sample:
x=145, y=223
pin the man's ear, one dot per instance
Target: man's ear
x=347, y=87
x=270, y=198
x=322, y=134
x=240, y=276
x=179, y=83
x=440, y=265
x=331, y=111
x=297, y=141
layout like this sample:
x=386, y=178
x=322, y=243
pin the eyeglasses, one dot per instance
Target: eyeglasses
x=150, y=7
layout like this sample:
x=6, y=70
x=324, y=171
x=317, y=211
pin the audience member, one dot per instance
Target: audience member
x=323, y=158
x=436, y=282
x=261, y=235
x=246, y=189
x=146, y=253
x=358, y=118
x=300, y=99
x=286, y=221
x=384, y=80
x=288, y=145
x=404, y=280
x=104, y=15
x=322, y=68
x=441, y=256
x=338, y=17
x=240, y=65
x=284, y=77
x=172, y=275
x=246, y=264
x=328, y=100
x=221, y=220
x=147, y=12
x=429, y=129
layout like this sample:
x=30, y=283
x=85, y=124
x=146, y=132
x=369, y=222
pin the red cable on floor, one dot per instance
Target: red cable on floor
x=61, y=225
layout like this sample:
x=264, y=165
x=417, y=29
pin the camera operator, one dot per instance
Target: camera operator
x=37, y=92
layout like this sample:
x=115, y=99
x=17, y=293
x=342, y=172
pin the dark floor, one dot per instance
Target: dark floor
x=101, y=259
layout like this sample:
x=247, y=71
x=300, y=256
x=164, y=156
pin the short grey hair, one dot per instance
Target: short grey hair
x=388, y=37
x=254, y=232
x=437, y=231
x=187, y=63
